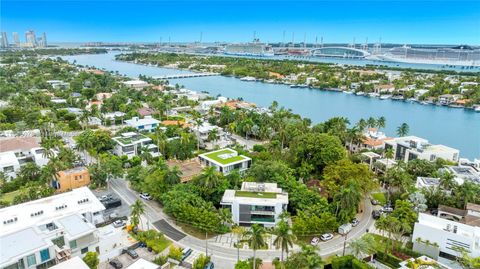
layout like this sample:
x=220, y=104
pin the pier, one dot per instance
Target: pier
x=187, y=75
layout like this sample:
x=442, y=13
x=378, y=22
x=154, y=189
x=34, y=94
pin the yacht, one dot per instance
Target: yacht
x=360, y=93
x=385, y=97
x=248, y=79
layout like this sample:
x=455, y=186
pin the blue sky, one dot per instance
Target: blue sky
x=410, y=22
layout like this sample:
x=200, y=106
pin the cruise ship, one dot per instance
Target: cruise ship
x=255, y=49
x=459, y=55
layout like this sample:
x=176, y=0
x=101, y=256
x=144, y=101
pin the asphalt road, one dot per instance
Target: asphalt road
x=221, y=256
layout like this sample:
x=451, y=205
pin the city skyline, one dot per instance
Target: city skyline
x=430, y=22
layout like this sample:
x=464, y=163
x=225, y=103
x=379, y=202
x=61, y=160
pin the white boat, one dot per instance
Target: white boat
x=248, y=79
x=360, y=93
x=385, y=97
x=348, y=92
x=477, y=109
x=373, y=94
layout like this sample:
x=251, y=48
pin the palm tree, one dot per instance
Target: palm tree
x=209, y=178
x=371, y=122
x=212, y=135
x=403, y=129
x=447, y=181
x=284, y=238
x=255, y=238
x=173, y=176
x=388, y=155
x=239, y=232
x=362, y=125
x=138, y=208
x=84, y=118
x=381, y=122
x=362, y=246
x=145, y=154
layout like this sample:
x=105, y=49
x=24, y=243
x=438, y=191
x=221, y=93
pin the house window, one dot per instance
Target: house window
x=44, y=255
x=76, y=177
x=31, y=260
x=8, y=169
x=73, y=244
x=84, y=250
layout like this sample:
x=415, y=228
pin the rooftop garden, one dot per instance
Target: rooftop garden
x=251, y=194
x=217, y=156
x=130, y=140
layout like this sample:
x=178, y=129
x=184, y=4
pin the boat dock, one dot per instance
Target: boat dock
x=186, y=75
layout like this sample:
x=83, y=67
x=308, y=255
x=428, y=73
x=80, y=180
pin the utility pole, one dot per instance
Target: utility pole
x=206, y=243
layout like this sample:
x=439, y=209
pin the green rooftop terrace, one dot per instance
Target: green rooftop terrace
x=217, y=156
x=252, y=194
x=130, y=140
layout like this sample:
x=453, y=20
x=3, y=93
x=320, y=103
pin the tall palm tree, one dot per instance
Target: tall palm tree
x=255, y=238
x=145, y=154
x=173, y=176
x=403, y=129
x=212, y=135
x=209, y=178
x=362, y=246
x=138, y=208
x=371, y=122
x=381, y=122
x=239, y=232
x=284, y=238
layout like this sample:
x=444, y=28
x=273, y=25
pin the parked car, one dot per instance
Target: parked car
x=116, y=264
x=387, y=209
x=326, y=237
x=105, y=197
x=376, y=214
x=145, y=196
x=374, y=202
x=119, y=223
x=355, y=222
x=209, y=265
x=185, y=253
x=315, y=241
x=345, y=228
x=131, y=253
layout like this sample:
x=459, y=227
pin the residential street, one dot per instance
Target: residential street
x=226, y=257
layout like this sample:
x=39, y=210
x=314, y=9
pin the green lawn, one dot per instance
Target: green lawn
x=129, y=140
x=251, y=194
x=215, y=156
x=380, y=197
x=8, y=197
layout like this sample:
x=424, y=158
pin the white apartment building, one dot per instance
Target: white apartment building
x=131, y=144
x=18, y=151
x=449, y=234
x=225, y=160
x=148, y=123
x=260, y=203
x=44, y=232
x=136, y=84
x=411, y=147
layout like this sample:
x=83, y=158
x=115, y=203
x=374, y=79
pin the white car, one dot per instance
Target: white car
x=314, y=241
x=326, y=237
x=145, y=196
x=119, y=223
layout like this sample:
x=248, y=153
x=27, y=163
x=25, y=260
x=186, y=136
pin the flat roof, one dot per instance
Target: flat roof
x=73, y=263
x=252, y=194
x=18, y=243
x=225, y=156
x=143, y=264
x=144, y=121
x=77, y=201
x=18, y=143
x=130, y=138
x=75, y=226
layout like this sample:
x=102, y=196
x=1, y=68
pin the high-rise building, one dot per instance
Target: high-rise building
x=16, y=40
x=30, y=38
x=4, y=40
x=44, y=39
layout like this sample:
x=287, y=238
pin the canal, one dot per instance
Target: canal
x=453, y=127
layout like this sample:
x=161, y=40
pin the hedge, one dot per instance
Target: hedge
x=389, y=259
x=357, y=264
x=342, y=262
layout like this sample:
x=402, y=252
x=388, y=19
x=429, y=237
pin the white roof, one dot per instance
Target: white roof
x=75, y=226
x=15, y=245
x=48, y=207
x=143, y=264
x=73, y=263
x=134, y=82
x=135, y=122
x=282, y=197
x=8, y=159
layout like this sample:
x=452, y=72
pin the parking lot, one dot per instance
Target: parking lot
x=127, y=260
x=123, y=210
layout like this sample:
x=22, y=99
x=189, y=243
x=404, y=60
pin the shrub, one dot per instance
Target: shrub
x=357, y=264
x=342, y=262
x=175, y=253
x=389, y=259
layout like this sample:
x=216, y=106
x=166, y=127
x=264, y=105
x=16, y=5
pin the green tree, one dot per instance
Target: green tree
x=201, y=262
x=284, y=238
x=255, y=238
x=91, y=259
x=403, y=129
x=138, y=208
x=307, y=258
x=210, y=178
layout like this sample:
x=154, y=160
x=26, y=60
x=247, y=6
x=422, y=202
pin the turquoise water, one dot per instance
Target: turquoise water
x=453, y=127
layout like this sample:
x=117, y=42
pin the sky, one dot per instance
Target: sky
x=401, y=22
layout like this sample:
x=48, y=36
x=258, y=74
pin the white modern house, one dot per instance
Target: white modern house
x=408, y=148
x=449, y=234
x=147, y=124
x=225, y=160
x=18, y=151
x=427, y=182
x=260, y=203
x=43, y=232
x=463, y=173
x=131, y=144
x=136, y=84
x=202, y=131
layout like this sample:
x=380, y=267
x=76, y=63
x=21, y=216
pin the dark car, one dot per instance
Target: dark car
x=376, y=214
x=116, y=264
x=209, y=266
x=131, y=253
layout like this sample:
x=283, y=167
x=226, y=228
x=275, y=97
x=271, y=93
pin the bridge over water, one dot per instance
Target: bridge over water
x=187, y=75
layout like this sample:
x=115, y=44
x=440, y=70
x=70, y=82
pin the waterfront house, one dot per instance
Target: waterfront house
x=131, y=144
x=148, y=123
x=225, y=160
x=463, y=173
x=411, y=147
x=260, y=203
